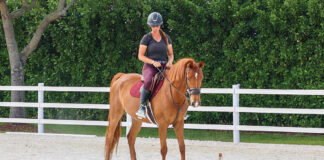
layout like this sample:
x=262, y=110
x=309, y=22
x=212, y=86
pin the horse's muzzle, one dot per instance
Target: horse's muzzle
x=195, y=104
x=194, y=96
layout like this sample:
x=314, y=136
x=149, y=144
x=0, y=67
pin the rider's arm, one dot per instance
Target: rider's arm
x=141, y=55
x=170, y=54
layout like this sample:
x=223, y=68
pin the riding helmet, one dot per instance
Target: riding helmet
x=154, y=19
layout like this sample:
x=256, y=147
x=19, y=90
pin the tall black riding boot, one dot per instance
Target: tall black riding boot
x=143, y=99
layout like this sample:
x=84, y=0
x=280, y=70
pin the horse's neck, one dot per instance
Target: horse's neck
x=178, y=90
x=179, y=84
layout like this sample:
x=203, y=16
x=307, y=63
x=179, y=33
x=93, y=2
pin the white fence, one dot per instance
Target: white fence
x=235, y=109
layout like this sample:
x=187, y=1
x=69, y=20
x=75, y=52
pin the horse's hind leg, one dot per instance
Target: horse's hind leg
x=115, y=114
x=135, y=128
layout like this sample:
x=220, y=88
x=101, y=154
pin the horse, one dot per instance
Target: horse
x=169, y=105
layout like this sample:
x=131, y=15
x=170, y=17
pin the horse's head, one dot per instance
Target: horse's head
x=194, y=77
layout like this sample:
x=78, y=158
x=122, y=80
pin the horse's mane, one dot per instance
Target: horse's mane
x=177, y=71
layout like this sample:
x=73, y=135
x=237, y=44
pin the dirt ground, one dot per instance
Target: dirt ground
x=18, y=127
x=16, y=146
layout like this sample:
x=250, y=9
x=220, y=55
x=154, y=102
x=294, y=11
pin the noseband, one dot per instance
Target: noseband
x=191, y=91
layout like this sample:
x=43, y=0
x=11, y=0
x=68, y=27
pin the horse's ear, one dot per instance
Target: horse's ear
x=189, y=64
x=201, y=64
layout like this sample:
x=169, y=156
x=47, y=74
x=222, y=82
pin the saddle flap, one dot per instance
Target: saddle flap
x=155, y=87
x=135, y=91
x=156, y=80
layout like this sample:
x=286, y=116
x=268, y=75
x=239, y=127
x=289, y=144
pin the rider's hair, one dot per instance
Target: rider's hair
x=165, y=37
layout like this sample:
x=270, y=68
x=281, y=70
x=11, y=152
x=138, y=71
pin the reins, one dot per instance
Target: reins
x=171, y=85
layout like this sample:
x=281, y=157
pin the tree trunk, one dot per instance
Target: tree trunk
x=18, y=60
x=16, y=65
x=17, y=79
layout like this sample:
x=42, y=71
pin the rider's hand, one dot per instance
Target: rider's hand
x=156, y=64
x=169, y=65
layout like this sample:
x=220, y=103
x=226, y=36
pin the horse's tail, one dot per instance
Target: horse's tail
x=114, y=128
x=116, y=77
x=110, y=148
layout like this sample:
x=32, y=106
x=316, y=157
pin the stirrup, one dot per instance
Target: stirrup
x=141, y=112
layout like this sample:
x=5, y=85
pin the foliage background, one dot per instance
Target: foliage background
x=271, y=44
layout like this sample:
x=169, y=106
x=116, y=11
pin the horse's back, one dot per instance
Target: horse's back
x=121, y=79
x=122, y=83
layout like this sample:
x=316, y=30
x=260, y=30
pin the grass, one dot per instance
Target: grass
x=76, y=129
x=283, y=138
x=224, y=136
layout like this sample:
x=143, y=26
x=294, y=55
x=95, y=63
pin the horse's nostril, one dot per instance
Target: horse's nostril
x=195, y=103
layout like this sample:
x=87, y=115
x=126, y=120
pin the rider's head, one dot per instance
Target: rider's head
x=154, y=19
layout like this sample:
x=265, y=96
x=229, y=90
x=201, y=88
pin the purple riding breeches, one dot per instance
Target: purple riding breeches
x=148, y=73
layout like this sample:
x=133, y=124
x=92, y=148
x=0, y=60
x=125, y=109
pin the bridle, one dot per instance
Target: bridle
x=189, y=91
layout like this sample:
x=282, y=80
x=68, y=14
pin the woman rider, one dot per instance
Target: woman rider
x=156, y=52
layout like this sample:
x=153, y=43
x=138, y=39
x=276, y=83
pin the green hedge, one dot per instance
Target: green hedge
x=270, y=44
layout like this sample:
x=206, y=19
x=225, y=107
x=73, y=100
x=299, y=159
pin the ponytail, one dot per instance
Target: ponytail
x=165, y=37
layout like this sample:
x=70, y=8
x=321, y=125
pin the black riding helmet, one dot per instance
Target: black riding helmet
x=154, y=19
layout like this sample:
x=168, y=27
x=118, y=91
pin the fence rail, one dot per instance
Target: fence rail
x=235, y=109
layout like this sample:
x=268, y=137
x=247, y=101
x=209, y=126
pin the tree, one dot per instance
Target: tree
x=18, y=58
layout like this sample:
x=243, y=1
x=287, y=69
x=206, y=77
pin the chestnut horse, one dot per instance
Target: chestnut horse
x=169, y=105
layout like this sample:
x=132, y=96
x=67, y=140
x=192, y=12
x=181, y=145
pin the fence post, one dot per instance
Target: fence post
x=129, y=123
x=236, y=115
x=40, y=107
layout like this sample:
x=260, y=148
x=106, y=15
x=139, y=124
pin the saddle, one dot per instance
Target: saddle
x=157, y=82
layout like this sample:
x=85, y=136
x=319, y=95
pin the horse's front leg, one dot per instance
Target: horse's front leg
x=163, y=134
x=178, y=128
x=136, y=127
